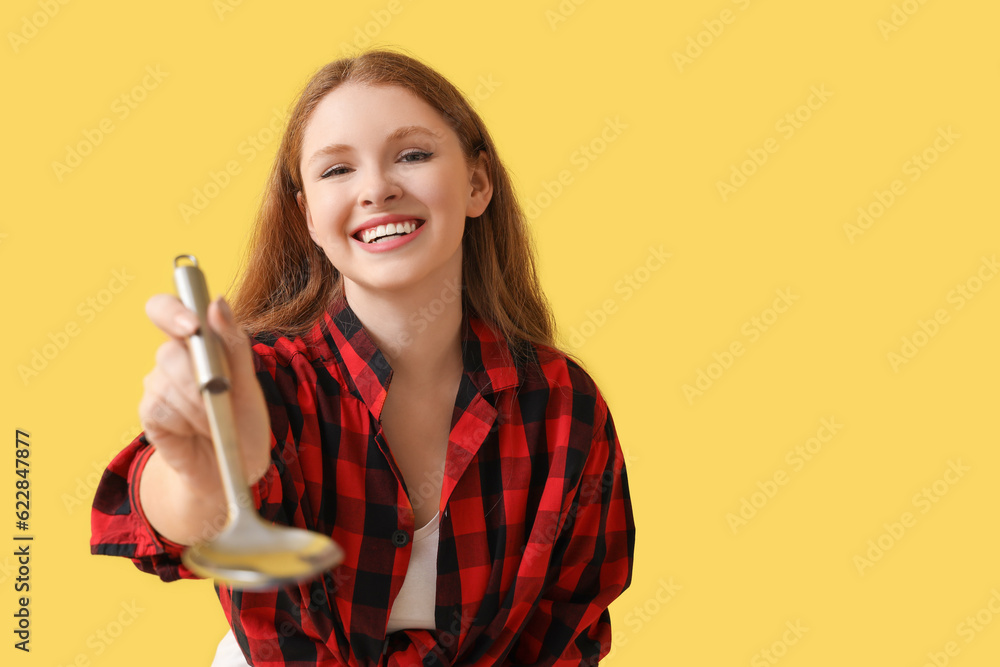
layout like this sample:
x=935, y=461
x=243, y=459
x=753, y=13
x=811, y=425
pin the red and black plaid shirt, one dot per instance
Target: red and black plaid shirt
x=536, y=529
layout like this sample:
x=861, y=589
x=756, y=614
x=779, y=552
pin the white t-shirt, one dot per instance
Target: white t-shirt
x=414, y=606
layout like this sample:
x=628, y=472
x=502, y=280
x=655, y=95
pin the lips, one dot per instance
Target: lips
x=388, y=244
x=384, y=220
x=391, y=230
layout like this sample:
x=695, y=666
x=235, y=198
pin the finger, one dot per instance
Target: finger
x=173, y=364
x=167, y=411
x=235, y=341
x=168, y=313
x=182, y=449
x=159, y=420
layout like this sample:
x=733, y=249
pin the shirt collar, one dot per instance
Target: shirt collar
x=486, y=355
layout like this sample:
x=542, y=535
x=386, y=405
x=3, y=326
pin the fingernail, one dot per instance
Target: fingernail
x=227, y=314
x=187, y=322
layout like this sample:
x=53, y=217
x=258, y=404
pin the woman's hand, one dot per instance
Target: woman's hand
x=181, y=491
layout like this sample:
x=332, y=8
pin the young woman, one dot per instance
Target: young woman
x=483, y=502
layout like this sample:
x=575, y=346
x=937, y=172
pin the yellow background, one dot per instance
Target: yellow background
x=662, y=132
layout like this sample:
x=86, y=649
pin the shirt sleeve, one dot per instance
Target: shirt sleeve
x=591, y=563
x=119, y=527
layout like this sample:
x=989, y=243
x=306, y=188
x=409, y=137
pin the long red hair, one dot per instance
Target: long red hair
x=288, y=281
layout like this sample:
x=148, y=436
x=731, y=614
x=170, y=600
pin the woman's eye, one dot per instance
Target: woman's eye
x=334, y=171
x=412, y=156
x=415, y=156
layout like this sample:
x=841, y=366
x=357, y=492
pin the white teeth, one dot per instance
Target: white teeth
x=374, y=233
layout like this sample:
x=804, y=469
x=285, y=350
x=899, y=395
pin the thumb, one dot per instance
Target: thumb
x=233, y=338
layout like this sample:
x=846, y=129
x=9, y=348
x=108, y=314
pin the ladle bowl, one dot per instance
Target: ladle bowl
x=251, y=554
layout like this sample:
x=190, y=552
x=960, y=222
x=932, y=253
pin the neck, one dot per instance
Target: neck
x=417, y=329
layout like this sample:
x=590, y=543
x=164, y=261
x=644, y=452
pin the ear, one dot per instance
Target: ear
x=301, y=201
x=481, y=187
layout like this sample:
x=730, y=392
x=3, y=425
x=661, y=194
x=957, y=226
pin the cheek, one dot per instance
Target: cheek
x=444, y=190
x=327, y=208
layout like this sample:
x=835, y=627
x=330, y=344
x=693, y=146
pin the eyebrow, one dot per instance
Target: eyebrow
x=395, y=135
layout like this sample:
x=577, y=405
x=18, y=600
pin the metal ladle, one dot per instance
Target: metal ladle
x=247, y=553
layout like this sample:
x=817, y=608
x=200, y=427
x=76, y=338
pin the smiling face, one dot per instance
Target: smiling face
x=381, y=155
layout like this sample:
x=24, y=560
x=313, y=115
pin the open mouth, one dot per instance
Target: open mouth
x=389, y=231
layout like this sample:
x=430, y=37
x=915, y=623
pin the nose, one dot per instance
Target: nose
x=378, y=188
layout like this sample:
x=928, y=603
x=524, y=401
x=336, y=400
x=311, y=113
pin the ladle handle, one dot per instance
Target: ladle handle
x=212, y=375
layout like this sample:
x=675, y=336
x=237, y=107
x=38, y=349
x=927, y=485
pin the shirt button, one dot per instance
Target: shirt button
x=400, y=538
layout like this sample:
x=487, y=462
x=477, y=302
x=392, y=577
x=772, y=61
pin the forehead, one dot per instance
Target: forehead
x=355, y=112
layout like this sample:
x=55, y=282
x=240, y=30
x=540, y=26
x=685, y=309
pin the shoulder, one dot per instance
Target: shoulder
x=572, y=391
x=576, y=428
x=296, y=355
x=279, y=348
